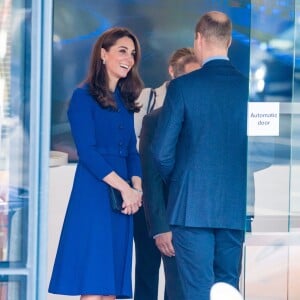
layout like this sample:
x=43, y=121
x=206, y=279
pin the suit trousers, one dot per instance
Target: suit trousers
x=147, y=260
x=205, y=256
x=173, y=287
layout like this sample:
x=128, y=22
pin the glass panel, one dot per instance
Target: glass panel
x=271, y=80
x=14, y=131
x=295, y=110
x=160, y=32
x=271, y=257
x=12, y=287
x=273, y=190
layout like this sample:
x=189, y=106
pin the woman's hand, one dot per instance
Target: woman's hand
x=132, y=196
x=132, y=200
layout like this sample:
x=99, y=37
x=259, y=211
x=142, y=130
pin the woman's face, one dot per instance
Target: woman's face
x=119, y=59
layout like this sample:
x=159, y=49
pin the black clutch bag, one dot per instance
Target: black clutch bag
x=116, y=199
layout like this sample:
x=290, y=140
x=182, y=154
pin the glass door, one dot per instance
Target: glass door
x=24, y=97
x=272, y=249
x=14, y=146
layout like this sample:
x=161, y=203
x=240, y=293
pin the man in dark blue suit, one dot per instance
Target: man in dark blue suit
x=154, y=198
x=200, y=147
x=154, y=239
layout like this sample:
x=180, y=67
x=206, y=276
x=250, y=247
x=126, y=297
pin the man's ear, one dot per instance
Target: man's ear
x=171, y=72
x=198, y=39
x=229, y=42
x=198, y=36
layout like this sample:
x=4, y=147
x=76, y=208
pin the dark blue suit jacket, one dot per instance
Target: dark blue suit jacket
x=200, y=147
x=154, y=189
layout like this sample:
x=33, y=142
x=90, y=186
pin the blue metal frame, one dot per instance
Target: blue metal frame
x=40, y=109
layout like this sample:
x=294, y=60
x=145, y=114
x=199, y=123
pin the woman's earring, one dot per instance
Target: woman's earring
x=103, y=61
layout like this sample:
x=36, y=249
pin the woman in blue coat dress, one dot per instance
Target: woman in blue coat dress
x=94, y=255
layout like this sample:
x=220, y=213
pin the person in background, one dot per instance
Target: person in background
x=94, y=255
x=148, y=256
x=200, y=149
x=181, y=61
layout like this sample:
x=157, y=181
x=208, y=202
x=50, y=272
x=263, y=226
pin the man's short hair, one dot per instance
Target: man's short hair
x=216, y=27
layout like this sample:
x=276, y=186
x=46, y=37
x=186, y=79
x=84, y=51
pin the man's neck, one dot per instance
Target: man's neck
x=213, y=58
x=212, y=52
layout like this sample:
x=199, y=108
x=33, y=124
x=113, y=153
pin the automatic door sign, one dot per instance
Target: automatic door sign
x=263, y=119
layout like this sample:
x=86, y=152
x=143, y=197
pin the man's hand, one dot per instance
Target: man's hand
x=163, y=242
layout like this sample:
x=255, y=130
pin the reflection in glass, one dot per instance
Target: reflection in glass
x=295, y=132
x=13, y=230
x=14, y=131
x=272, y=72
x=12, y=287
x=271, y=257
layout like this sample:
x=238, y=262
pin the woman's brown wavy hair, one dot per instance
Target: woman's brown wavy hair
x=97, y=78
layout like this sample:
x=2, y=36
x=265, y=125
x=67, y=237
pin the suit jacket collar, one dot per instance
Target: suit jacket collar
x=217, y=62
x=215, y=58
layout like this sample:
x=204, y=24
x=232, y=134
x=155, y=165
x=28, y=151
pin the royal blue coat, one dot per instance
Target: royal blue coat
x=94, y=255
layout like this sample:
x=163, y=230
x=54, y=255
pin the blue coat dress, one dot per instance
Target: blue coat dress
x=94, y=255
